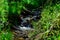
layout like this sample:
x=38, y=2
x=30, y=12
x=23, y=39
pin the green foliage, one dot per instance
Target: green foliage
x=32, y=2
x=12, y=7
x=6, y=36
x=18, y=6
x=3, y=12
x=48, y=25
x=3, y=20
x=50, y=16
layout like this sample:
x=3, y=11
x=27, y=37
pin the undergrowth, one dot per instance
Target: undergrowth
x=47, y=28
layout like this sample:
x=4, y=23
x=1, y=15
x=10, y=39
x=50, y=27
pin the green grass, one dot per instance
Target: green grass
x=49, y=25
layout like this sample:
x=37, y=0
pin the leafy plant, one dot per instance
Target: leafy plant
x=44, y=28
x=6, y=36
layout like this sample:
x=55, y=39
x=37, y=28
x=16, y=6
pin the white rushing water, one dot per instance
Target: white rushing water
x=25, y=28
